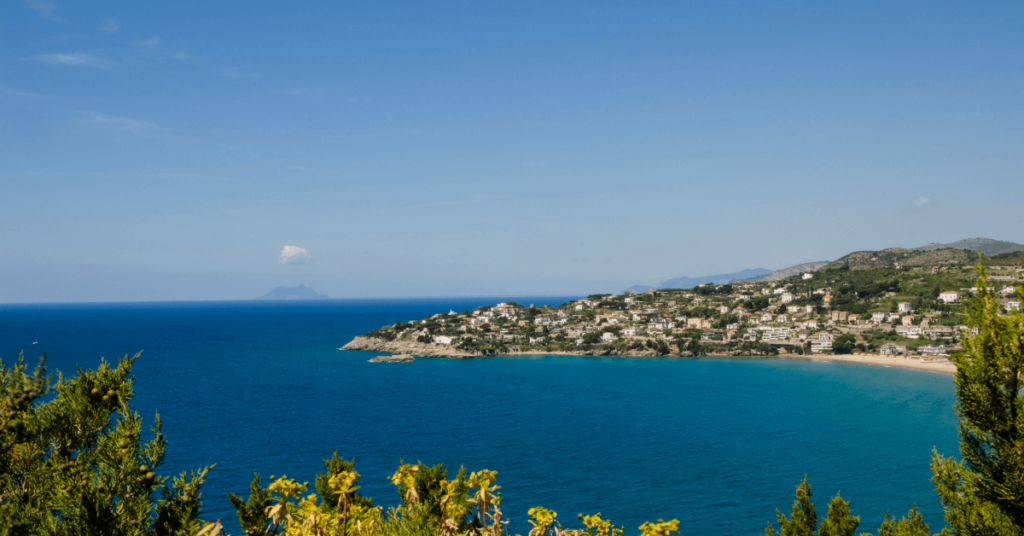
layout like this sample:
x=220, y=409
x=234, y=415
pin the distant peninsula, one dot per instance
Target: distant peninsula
x=300, y=292
x=896, y=306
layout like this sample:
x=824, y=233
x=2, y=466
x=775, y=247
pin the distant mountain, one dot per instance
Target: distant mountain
x=926, y=255
x=793, y=270
x=690, y=282
x=987, y=246
x=720, y=279
x=300, y=292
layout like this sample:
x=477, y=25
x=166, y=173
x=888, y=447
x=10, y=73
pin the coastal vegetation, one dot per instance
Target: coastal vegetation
x=74, y=459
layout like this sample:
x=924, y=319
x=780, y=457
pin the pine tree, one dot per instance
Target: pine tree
x=984, y=494
x=73, y=460
x=804, y=520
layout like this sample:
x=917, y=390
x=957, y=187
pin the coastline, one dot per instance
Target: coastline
x=445, y=352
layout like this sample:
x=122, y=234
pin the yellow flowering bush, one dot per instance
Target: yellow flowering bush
x=432, y=505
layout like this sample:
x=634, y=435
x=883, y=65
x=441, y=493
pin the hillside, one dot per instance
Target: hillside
x=794, y=270
x=986, y=245
x=864, y=302
x=863, y=260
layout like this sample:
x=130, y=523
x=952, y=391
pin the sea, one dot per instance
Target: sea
x=718, y=443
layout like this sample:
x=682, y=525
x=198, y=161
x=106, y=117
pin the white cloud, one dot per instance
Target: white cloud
x=108, y=26
x=235, y=72
x=24, y=94
x=921, y=201
x=134, y=126
x=294, y=255
x=45, y=9
x=151, y=42
x=181, y=54
x=77, y=59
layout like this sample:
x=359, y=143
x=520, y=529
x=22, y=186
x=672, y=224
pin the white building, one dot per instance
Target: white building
x=608, y=337
x=949, y=296
x=818, y=347
x=787, y=297
x=910, y=332
x=1013, y=306
x=933, y=350
x=774, y=334
x=808, y=275
x=904, y=307
x=892, y=349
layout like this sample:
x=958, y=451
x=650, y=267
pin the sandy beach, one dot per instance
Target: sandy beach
x=946, y=367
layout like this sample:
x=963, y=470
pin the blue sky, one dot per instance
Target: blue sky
x=169, y=151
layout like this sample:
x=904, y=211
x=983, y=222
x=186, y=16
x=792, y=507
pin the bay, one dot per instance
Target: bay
x=717, y=443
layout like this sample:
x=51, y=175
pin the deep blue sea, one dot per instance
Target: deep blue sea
x=717, y=443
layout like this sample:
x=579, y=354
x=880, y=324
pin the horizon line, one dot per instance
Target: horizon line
x=2, y=304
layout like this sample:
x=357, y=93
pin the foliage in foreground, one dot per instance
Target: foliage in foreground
x=73, y=461
x=431, y=505
x=77, y=463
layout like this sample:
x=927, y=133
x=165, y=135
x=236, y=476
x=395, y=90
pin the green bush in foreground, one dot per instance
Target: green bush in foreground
x=78, y=465
x=73, y=461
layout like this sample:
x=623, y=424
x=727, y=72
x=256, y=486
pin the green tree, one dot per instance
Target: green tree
x=844, y=344
x=73, y=460
x=804, y=520
x=984, y=493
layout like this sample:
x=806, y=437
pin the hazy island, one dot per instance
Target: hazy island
x=896, y=305
x=300, y=292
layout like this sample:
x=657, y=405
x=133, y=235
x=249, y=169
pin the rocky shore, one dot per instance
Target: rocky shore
x=446, y=351
x=399, y=358
x=408, y=349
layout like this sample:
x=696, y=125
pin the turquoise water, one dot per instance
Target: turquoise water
x=716, y=443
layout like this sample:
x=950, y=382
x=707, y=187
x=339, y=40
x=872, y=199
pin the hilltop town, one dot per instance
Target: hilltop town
x=893, y=303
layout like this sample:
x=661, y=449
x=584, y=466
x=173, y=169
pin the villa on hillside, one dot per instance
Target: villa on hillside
x=949, y=296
